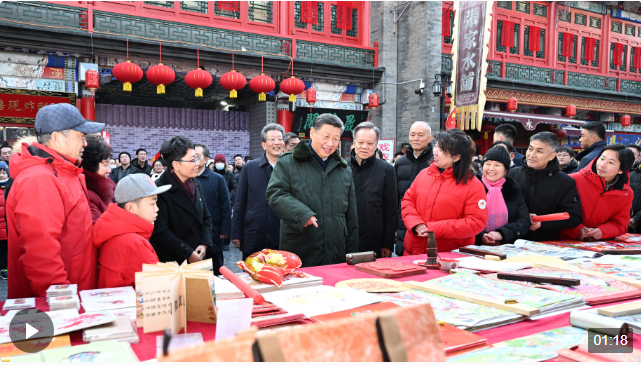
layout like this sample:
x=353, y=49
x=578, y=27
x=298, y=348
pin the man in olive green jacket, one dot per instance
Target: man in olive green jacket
x=312, y=191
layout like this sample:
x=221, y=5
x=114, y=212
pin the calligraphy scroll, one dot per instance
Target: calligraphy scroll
x=308, y=12
x=617, y=59
x=472, y=22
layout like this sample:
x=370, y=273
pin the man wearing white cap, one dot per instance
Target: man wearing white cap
x=48, y=219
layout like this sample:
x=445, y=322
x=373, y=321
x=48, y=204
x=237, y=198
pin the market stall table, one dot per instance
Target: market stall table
x=332, y=274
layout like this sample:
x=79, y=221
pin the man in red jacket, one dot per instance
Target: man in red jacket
x=48, y=219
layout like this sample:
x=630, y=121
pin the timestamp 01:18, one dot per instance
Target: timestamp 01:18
x=610, y=340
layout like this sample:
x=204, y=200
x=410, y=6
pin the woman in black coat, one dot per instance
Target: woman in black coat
x=508, y=216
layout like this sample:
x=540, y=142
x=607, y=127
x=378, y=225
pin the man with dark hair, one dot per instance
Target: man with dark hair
x=507, y=132
x=48, y=219
x=418, y=156
x=592, y=141
x=248, y=158
x=636, y=150
x=635, y=185
x=396, y=156
x=547, y=190
x=567, y=162
x=255, y=226
x=183, y=227
x=125, y=168
x=291, y=140
x=312, y=191
x=376, y=193
x=5, y=152
x=218, y=204
x=238, y=165
x=141, y=162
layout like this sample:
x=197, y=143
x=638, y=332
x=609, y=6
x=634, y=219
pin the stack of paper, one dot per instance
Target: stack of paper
x=120, y=330
x=319, y=300
x=465, y=315
x=475, y=263
x=62, y=290
x=498, y=291
x=227, y=290
x=19, y=304
x=63, y=302
x=106, y=351
x=108, y=299
x=524, y=247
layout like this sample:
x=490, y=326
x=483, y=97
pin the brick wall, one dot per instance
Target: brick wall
x=129, y=139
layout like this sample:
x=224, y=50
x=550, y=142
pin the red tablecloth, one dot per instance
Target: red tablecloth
x=332, y=274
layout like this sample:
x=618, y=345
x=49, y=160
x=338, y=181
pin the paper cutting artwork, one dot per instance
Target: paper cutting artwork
x=628, y=237
x=501, y=290
x=373, y=285
x=596, y=246
x=590, y=287
x=456, y=312
x=620, y=270
x=537, y=347
x=524, y=247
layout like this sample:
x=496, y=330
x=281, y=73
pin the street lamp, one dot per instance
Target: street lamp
x=442, y=83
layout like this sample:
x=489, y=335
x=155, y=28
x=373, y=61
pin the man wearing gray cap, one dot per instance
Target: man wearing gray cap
x=48, y=219
x=122, y=232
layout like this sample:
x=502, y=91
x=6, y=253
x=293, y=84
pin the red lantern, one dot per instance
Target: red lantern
x=92, y=80
x=625, y=121
x=128, y=73
x=310, y=97
x=198, y=79
x=373, y=101
x=262, y=84
x=512, y=104
x=570, y=111
x=292, y=86
x=161, y=75
x=233, y=81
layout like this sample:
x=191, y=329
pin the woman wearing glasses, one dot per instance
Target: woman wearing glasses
x=100, y=188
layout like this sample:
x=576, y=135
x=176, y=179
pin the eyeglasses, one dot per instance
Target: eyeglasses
x=194, y=161
x=273, y=140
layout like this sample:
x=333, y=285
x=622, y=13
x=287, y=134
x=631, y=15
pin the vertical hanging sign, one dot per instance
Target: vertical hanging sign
x=472, y=24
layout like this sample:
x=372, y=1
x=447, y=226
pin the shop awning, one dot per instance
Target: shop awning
x=530, y=121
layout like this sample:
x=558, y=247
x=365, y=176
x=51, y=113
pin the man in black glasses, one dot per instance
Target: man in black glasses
x=183, y=228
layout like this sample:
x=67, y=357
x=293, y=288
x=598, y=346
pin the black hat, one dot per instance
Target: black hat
x=500, y=154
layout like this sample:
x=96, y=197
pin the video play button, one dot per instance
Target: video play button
x=31, y=330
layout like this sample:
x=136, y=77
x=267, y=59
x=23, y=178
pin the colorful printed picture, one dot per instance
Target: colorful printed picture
x=628, y=237
x=19, y=301
x=596, y=246
x=590, y=286
x=623, y=271
x=60, y=287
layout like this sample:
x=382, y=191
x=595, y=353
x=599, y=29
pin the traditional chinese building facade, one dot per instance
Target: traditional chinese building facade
x=48, y=47
x=549, y=55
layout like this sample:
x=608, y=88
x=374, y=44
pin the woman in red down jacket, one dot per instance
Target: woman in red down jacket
x=606, y=196
x=445, y=198
x=100, y=187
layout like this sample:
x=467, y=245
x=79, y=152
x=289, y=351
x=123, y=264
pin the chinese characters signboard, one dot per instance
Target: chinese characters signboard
x=21, y=106
x=304, y=120
x=473, y=19
x=387, y=147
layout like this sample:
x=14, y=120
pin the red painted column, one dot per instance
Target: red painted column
x=79, y=104
x=88, y=110
x=285, y=118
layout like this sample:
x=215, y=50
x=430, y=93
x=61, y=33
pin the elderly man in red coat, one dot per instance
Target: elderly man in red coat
x=48, y=218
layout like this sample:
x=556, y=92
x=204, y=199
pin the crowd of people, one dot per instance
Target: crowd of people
x=98, y=219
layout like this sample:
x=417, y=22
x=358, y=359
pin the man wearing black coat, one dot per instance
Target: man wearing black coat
x=126, y=167
x=255, y=226
x=592, y=141
x=218, y=205
x=417, y=157
x=183, y=227
x=546, y=189
x=635, y=185
x=141, y=162
x=376, y=193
